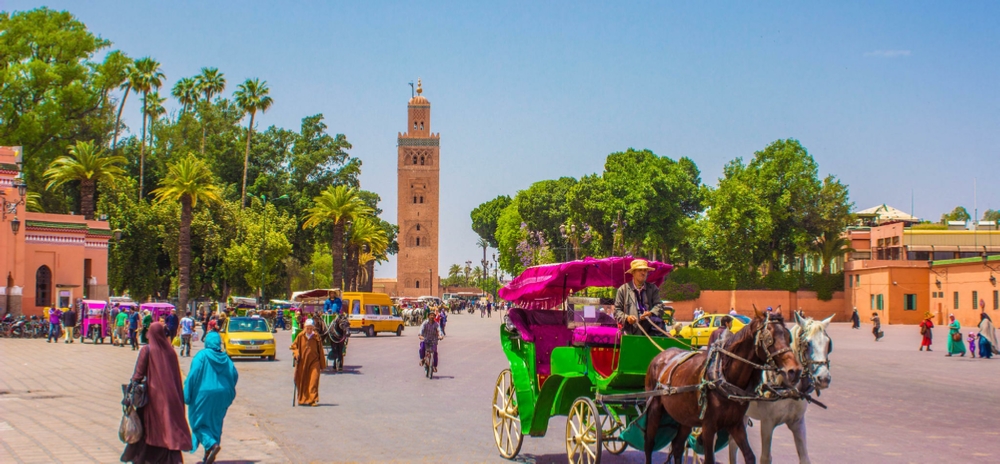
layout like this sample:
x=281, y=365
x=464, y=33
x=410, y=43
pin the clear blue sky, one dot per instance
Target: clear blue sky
x=891, y=98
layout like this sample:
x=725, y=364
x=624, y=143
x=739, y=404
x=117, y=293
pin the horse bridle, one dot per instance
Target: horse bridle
x=808, y=363
x=762, y=340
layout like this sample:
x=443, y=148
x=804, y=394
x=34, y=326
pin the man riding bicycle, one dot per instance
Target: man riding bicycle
x=429, y=335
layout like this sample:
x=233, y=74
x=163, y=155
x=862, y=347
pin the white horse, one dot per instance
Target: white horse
x=812, y=345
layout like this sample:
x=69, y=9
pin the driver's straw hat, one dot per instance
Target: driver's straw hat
x=638, y=265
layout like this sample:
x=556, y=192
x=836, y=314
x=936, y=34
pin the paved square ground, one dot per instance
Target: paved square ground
x=888, y=403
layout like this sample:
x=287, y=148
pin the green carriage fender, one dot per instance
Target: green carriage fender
x=556, y=398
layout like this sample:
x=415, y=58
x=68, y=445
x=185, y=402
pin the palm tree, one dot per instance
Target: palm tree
x=87, y=164
x=338, y=204
x=187, y=181
x=366, y=237
x=146, y=78
x=154, y=110
x=453, y=273
x=210, y=82
x=830, y=246
x=127, y=87
x=186, y=92
x=251, y=98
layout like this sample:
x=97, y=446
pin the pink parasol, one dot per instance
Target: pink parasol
x=548, y=285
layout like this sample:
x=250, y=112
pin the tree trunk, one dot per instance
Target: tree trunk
x=184, y=240
x=337, y=248
x=87, y=192
x=246, y=162
x=142, y=147
x=351, y=267
x=118, y=120
x=370, y=281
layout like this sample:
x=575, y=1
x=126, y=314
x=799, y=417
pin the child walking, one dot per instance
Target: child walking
x=972, y=343
x=876, y=326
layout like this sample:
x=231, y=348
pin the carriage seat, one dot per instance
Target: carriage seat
x=602, y=335
x=547, y=329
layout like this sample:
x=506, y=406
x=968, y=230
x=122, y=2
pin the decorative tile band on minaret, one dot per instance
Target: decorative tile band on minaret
x=418, y=200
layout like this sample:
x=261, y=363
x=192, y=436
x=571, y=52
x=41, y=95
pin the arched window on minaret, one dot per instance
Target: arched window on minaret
x=421, y=160
x=418, y=241
x=421, y=125
x=418, y=284
x=414, y=159
x=414, y=125
x=414, y=200
x=421, y=200
x=418, y=226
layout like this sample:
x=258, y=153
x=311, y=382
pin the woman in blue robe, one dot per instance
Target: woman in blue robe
x=208, y=392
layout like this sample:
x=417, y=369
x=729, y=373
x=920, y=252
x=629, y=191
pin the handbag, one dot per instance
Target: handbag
x=177, y=341
x=130, y=428
x=134, y=395
x=923, y=330
x=956, y=337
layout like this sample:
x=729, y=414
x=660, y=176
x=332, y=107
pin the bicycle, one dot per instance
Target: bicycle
x=429, y=362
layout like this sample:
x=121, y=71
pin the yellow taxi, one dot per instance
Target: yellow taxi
x=371, y=313
x=701, y=329
x=247, y=336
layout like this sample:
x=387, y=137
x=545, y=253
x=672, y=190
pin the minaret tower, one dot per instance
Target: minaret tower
x=419, y=174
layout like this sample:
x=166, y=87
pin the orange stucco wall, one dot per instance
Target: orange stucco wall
x=720, y=301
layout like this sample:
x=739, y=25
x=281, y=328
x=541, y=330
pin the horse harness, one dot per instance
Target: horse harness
x=712, y=377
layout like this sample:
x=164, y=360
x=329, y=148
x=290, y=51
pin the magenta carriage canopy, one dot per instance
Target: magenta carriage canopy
x=548, y=285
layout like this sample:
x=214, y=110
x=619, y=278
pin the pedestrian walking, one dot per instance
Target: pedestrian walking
x=121, y=327
x=307, y=350
x=876, y=326
x=987, y=337
x=925, y=331
x=855, y=319
x=722, y=333
x=187, y=331
x=205, y=317
x=489, y=310
x=55, y=322
x=443, y=319
x=172, y=322
x=209, y=391
x=955, y=345
x=165, y=429
x=147, y=320
x=69, y=323
x=973, y=339
x=133, y=329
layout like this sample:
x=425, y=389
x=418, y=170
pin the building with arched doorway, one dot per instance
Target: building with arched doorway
x=46, y=259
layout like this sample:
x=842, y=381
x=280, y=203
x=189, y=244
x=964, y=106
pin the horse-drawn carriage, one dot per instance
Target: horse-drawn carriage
x=239, y=305
x=573, y=361
x=335, y=330
x=95, y=321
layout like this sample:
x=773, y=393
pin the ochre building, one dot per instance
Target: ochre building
x=419, y=173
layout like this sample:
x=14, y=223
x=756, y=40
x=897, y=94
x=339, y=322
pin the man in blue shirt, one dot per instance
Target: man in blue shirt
x=172, y=322
x=333, y=303
x=133, y=328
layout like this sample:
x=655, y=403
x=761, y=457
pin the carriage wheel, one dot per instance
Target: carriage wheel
x=611, y=436
x=506, y=421
x=583, y=433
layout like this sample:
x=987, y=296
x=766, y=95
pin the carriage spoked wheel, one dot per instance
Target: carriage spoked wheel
x=583, y=432
x=506, y=418
x=611, y=429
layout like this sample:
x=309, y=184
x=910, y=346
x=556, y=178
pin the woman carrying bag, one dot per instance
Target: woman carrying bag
x=208, y=392
x=165, y=429
x=955, y=345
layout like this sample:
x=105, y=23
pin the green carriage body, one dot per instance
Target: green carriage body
x=574, y=375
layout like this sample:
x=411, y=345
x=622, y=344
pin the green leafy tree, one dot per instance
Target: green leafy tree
x=543, y=208
x=337, y=205
x=509, y=235
x=138, y=263
x=188, y=180
x=830, y=246
x=251, y=96
x=88, y=165
x=485, y=217
x=957, y=214
x=262, y=247
x=53, y=91
x=991, y=215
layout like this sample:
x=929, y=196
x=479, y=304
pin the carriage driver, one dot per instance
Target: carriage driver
x=638, y=302
x=333, y=302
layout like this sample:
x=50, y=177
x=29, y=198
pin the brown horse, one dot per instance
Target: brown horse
x=709, y=393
